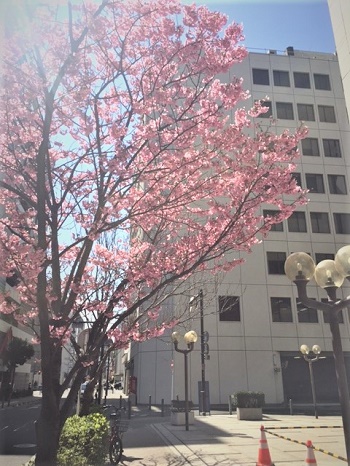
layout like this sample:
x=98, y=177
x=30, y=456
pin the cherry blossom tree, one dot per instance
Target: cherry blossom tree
x=127, y=166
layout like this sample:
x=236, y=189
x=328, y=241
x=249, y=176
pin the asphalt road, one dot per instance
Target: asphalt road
x=17, y=434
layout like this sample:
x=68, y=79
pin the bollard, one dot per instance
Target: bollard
x=129, y=408
x=149, y=402
x=230, y=404
x=162, y=407
x=290, y=406
x=120, y=401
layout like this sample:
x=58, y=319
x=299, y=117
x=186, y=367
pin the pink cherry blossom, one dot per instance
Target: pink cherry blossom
x=123, y=175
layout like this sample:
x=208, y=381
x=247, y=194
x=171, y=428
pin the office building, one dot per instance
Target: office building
x=252, y=315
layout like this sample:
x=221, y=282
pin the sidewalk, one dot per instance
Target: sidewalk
x=221, y=439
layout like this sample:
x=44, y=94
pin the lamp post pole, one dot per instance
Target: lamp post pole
x=300, y=268
x=204, y=335
x=190, y=339
x=201, y=310
x=107, y=378
x=304, y=349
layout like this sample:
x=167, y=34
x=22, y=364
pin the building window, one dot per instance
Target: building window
x=281, y=78
x=261, y=76
x=269, y=112
x=314, y=182
x=229, y=309
x=297, y=177
x=306, y=314
x=337, y=184
x=310, y=146
x=319, y=222
x=274, y=226
x=302, y=80
x=342, y=223
x=297, y=222
x=285, y=110
x=275, y=262
x=322, y=82
x=306, y=112
x=323, y=256
x=331, y=147
x=281, y=310
x=326, y=113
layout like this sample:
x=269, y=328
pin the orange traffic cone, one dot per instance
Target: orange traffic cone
x=310, y=456
x=264, y=458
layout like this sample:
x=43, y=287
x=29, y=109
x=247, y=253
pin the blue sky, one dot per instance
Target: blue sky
x=277, y=24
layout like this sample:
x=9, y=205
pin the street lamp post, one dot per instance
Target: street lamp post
x=305, y=351
x=204, y=351
x=328, y=274
x=190, y=339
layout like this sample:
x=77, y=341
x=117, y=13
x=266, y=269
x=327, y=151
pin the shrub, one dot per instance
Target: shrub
x=84, y=441
x=248, y=399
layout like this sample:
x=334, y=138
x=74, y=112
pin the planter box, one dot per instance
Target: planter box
x=249, y=414
x=179, y=419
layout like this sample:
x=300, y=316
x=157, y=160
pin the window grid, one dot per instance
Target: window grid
x=323, y=256
x=281, y=310
x=314, y=182
x=268, y=114
x=281, y=78
x=274, y=226
x=326, y=114
x=337, y=184
x=306, y=112
x=275, y=262
x=297, y=223
x=261, y=76
x=322, y=82
x=297, y=177
x=301, y=80
x=319, y=222
x=229, y=309
x=310, y=147
x=342, y=223
x=331, y=147
x=285, y=110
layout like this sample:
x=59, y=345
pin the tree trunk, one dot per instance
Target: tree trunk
x=48, y=432
x=87, y=399
x=48, y=427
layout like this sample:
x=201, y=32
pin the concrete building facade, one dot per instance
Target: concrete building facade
x=253, y=319
x=340, y=16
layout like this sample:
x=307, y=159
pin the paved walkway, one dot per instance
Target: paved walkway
x=221, y=440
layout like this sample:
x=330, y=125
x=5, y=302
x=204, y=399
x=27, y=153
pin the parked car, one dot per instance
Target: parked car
x=83, y=387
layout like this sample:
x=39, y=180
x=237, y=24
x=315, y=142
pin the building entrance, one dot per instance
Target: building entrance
x=296, y=378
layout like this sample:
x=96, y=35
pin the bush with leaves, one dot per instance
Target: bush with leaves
x=84, y=441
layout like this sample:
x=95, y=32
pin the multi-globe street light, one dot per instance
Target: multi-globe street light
x=190, y=339
x=328, y=274
x=310, y=359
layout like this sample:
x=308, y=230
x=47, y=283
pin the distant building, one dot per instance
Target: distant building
x=252, y=315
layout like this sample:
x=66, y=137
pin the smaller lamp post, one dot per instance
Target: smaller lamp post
x=305, y=351
x=190, y=339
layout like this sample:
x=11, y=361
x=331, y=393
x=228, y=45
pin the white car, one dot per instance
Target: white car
x=83, y=387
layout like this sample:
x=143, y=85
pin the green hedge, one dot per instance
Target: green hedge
x=84, y=441
x=248, y=399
